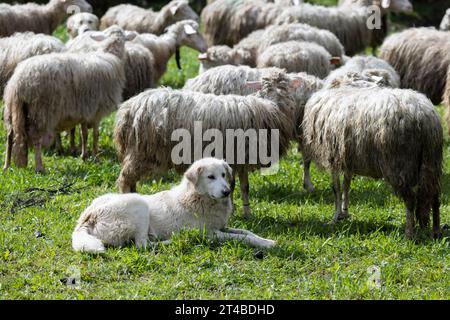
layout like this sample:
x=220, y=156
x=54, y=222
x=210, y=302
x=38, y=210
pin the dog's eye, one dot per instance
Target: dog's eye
x=211, y=177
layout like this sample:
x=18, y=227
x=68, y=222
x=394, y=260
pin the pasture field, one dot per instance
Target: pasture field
x=314, y=260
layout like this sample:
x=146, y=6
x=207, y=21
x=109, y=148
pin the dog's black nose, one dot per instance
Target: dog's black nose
x=226, y=192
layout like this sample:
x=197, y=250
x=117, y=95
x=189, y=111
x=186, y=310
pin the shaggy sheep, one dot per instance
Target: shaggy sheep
x=247, y=50
x=359, y=128
x=243, y=53
x=37, y=18
x=80, y=23
x=228, y=21
x=370, y=66
x=297, y=56
x=22, y=46
x=134, y=18
x=350, y=26
x=55, y=92
x=420, y=56
x=232, y=79
x=445, y=23
x=145, y=124
x=301, y=32
x=182, y=33
x=385, y=6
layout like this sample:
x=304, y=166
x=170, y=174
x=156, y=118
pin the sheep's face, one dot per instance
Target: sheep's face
x=399, y=6
x=211, y=177
x=221, y=55
x=180, y=10
x=192, y=38
x=113, y=39
x=75, y=6
x=445, y=24
x=81, y=23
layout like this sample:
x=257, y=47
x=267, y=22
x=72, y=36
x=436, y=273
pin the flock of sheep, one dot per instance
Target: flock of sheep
x=282, y=65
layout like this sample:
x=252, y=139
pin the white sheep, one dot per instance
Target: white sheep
x=369, y=67
x=145, y=124
x=134, y=18
x=359, y=128
x=247, y=50
x=22, y=46
x=37, y=18
x=55, y=92
x=298, y=56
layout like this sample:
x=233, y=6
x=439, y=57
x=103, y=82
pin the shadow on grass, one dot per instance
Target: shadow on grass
x=297, y=195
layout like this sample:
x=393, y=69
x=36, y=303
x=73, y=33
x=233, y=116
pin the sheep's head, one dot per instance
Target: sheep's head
x=445, y=24
x=179, y=10
x=74, y=6
x=113, y=39
x=190, y=36
x=222, y=55
x=80, y=23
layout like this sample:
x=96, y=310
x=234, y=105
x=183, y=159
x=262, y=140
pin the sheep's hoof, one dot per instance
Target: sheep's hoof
x=39, y=170
x=409, y=234
x=308, y=187
x=246, y=212
x=339, y=216
x=84, y=156
x=73, y=152
x=437, y=234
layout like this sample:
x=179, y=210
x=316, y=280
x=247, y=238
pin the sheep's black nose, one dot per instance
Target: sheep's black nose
x=226, y=192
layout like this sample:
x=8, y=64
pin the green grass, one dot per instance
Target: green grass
x=314, y=260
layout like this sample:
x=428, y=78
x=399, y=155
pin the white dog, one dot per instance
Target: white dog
x=202, y=201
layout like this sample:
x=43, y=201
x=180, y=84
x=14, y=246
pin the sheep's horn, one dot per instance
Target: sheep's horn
x=177, y=58
x=335, y=60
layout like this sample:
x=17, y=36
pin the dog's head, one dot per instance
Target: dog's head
x=210, y=177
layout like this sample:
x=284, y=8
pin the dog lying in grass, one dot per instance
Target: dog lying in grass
x=201, y=201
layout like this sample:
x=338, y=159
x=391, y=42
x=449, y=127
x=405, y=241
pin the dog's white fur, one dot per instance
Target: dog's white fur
x=202, y=201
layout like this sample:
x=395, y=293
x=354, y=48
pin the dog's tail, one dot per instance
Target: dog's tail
x=83, y=241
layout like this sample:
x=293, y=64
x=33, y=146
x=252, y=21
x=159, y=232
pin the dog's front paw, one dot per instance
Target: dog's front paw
x=269, y=244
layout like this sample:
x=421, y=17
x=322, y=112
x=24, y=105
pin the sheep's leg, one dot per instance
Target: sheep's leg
x=436, y=218
x=58, y=144
x=410, y=202
x=243, y=179
x=337, y=197
x=307, y=184
x=38, y=155
x=95, y=136
x=128, y=176
x=9, y=144
x=345, y=199
x=73, y=147
x=84, y=140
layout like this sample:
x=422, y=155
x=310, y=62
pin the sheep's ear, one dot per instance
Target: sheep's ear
x=98, y=36
x=257, y=85
x=335, y=60
x=203, y=56
x=193, y=174
x=385, y=3
x=189, y=30
x=295, y=83
x=130, y=35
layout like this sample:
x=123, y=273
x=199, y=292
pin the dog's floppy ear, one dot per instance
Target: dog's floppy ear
x=193, y=173
x=228, y=171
